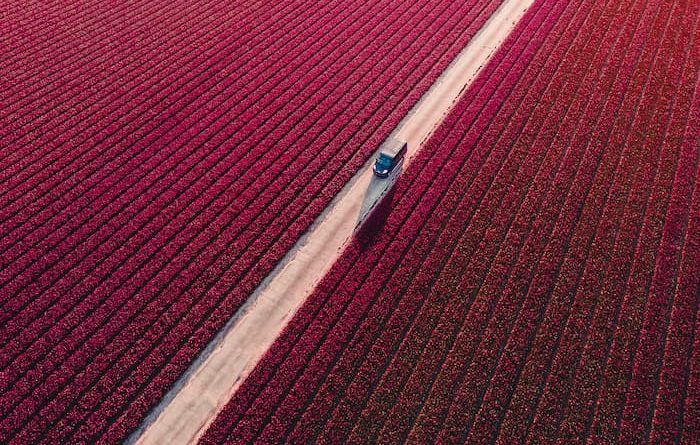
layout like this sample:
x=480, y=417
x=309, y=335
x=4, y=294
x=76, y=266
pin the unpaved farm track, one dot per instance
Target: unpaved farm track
x=193, y=402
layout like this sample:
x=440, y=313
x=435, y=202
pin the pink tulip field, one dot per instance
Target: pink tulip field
x=533, y=276
x=158, y=158
x=537, y=277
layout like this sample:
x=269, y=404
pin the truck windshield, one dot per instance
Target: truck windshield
x=384, y=160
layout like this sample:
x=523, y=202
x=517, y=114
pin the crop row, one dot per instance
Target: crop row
x=472, y=314
x=136, y=222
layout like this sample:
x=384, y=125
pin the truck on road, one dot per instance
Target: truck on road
x=390, y=154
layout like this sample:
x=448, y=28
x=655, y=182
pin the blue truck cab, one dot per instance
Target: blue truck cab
x=390, y=154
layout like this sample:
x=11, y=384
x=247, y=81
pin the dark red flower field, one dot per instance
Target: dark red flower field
x=158, y=158
x=537, y=277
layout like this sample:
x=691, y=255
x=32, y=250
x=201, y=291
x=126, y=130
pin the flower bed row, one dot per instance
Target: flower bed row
x=510, y=263
x=127, y=245
x=675, y=381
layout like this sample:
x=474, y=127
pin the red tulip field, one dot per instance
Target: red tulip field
x=157, y=160
x=536, y=278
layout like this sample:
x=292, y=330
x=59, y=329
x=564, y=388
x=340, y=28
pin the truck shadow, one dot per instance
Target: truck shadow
x=376, y=207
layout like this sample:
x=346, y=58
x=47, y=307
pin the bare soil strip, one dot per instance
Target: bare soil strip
x=195, y=400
